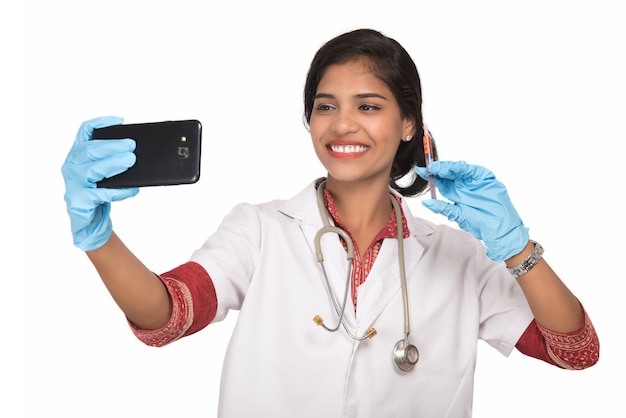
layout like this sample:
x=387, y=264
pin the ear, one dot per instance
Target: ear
x=408, y=127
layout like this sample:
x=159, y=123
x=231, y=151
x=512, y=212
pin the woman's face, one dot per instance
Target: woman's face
x=356, y=125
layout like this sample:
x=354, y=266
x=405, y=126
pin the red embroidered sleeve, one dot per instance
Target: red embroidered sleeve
x=575, y=350
x=194, y=304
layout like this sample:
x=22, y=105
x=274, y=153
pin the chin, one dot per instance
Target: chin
x=352, y=177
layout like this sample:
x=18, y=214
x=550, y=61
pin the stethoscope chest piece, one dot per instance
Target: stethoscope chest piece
x=405, y=355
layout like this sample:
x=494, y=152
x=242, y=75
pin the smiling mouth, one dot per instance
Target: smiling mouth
x=347, y=149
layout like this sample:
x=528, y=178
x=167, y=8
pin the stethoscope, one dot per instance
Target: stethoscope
x=405, y=355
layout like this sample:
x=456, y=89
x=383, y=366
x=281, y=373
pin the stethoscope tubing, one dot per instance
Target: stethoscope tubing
x=401, y=265
x=405, y=355
x=327, y=228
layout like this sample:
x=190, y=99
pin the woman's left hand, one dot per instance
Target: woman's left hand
x=481, y=206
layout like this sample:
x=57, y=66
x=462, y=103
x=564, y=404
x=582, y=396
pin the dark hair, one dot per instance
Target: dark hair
x=391, y=63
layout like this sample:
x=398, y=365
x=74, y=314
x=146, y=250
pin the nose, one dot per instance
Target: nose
x=345, y=123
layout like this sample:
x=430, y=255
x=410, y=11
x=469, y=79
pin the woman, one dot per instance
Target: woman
x=420, y=295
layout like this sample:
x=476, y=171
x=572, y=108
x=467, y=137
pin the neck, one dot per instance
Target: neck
x=361, y=206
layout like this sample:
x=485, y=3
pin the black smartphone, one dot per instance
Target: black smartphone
x=168, y=153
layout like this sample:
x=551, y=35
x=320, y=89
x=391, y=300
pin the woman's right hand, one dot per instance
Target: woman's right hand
x=88, y=162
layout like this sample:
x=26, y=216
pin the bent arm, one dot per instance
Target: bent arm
x=139, y=292
x=553, y=305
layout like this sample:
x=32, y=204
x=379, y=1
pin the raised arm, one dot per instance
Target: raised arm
x=481, y=206
x=139, y=293
x=551, y=302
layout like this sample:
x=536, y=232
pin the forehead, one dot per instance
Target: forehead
x=352, y=75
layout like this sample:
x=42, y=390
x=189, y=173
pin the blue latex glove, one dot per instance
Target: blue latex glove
x=87, y=163
x=481, y=206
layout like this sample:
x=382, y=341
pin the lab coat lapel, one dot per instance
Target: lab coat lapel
x=383, y=281
x=304, y=208
x=336, y=265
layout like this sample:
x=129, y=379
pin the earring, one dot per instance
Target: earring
x=408, y=138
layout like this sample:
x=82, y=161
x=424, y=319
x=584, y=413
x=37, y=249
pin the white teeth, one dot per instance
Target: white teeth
x=348, y=148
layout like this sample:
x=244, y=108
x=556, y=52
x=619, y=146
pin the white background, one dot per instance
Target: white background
x=533, y=90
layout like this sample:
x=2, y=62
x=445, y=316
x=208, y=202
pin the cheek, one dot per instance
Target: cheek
x=314, y=132
x=315, y=129
x=396, y=131
x=384, y=131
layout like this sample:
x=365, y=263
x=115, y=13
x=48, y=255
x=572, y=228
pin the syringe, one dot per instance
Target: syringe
x=428, y=154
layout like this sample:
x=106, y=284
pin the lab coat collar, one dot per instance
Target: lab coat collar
x=380, y=286
x=303, y=207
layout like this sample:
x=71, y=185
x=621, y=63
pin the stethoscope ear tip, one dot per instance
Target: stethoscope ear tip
x=371, y=333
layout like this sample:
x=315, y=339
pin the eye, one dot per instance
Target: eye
x=368, y=107
x=323, y=107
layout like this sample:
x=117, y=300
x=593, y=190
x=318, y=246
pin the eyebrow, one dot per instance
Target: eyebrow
x=357, y=96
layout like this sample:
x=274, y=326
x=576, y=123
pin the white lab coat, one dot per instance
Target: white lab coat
x=280, y=364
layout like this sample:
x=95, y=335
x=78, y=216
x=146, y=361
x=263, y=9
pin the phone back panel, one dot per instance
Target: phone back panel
x=168, y=153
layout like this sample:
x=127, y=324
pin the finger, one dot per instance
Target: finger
x=459, y=170
x=83, y=201
x=87, y=127
x=452, y=212
x=105, y=148
x=422, y=172
x=99, y=149
x=113, y=195
x=109, y=167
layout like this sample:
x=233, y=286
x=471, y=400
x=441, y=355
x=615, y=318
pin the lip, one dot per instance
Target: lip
x=346, y=149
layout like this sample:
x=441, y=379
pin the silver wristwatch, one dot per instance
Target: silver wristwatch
x=532, y=260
